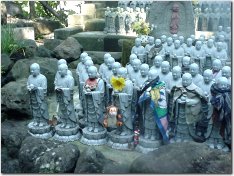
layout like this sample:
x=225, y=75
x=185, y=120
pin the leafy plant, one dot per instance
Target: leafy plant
x=7, y=39
x=141, y=27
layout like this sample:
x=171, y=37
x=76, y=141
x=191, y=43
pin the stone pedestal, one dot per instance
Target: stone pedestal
x=66, y=134
x=24, y=33
x=120, y=142
x=93, y=138
x=43, y=132
x=82, y=123
x=147, y=145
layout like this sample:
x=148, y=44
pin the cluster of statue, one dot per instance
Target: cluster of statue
x=213, y=14
x=120, y=19
x=176, y=97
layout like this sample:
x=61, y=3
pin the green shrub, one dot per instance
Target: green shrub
x=126, y=50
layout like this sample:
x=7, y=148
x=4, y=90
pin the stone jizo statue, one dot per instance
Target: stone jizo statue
x=226, y=72
x=194, y=71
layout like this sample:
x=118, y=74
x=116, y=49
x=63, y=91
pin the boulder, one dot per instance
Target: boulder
x=14, y=9
x=3, y=13
x=69, y=49
x=42, y=51
x=95, y=25
x=15, y=98
x=48, y=67
x=183, y=158
x=64, y=33
x=13, y=133
x=6, y=63
x=98, y=56
x=73, y=64
x=51, y=44
x=47, y=156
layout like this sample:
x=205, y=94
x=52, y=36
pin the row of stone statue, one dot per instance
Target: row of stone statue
x=120, y=20
x=173, y=49
x=134, y=4
x=221, y=5
x=118, y=98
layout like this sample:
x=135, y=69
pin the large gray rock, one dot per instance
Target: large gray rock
x=69, y=49
x=47, y=156
x=3, y=13
x=64, y=33
x=42, y=51
x=48, y=68
x=6, y=63
x=183, y=158
x=160, y=15
x=13, y=132
x=15, y=97
x=95, y=25
x=51, y=44
x=14, y=9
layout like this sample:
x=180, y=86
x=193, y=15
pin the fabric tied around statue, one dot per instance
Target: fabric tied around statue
x=159, y=107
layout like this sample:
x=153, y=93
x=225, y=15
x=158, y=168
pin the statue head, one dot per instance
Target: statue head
x=142, y=10
x=115, y=67
x=132, y=4
x=169, y=41
x=61, y=61
x=122, y=72
x=187, y=79
x=158, y=42
x=132, y=57
x=175, y=7
x=222, y=83
x=138, y=9
x=110, y=61
x=136, y=63
x=186, y=61
x=226, y=72
x=212, y=37
x=181, y=39
x=177, y=44
x=202, y=38
x=137, y=42
x=152, y=75
x=176, y=72
x=219, y=46
x=192, y=37
x=35, y=69
x=165, y=67
x=106, y=56
x=82, y=56
x=158, y=61
x=174, y=37
x=206, y=10
x=144, y=69
x=163, y=38
x=151, y=40
x=194, y=69
x=62, y=70
x=92, y=72
x=221, y=38
x=210, y=43
x=198, y=45
x=228, y=29
x=189, y=42
x=216, y=65
x=220, y=28
x=87, y=58
x=88, y=63
x=207, y=76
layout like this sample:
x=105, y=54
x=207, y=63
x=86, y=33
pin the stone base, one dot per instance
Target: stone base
x=147, y=145
x=92, y=138
x=43, y=132
x=120, y=142
x=66, y=134
x=82, y=123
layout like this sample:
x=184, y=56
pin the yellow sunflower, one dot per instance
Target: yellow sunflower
x=118, y=83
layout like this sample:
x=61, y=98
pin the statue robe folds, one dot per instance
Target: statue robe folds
x=158, y=106
x=38, y=101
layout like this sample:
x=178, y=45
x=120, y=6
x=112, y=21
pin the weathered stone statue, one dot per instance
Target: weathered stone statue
x=130, y=18
x=120, y=22
x=142, y=15
x=216, y=69
x=163, y=40
x=167, y=50
x=228, y=37
x=186, y=61
x=103, y=66
x=198, y=55
x=226, y=72
x=186, y=109
x=220, y=53
x=154, y=51
x=177, y=54
x=194, y=71
x=165, y=74
x=157, y=64
x=129, y=65
x=222, y=40
x=37, y=87
x=218, y=33
x=175, y=19
x=209, y=53
x=134, y=75
x=181, y=39
x=222, y=128
x=68, y=129
x=203, y=20
x=144, y=70
x=138, y=49
x=176, y=75
x=149, y=46
x=107, y=20
x=112, y=17
x=122, y=138
x=188, y=48
x=94, y=133
x=61, y=61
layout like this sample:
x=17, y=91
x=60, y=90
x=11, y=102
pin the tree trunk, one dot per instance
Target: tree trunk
x=32, y=9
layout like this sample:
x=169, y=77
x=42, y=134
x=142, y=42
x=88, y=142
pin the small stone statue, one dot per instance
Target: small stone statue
x=188, y=48
x=222, y=127
x=144, y=70
x=176, y=75
x=37, y=87
x=61, y=61
x=163, y=40
x=135, y=74
x=177, y=54
x=220, y=53
x=216, y=68
x=226, y=72
x=167, y=50
x=157, y=64
x=194, y=71
x=154, y=51
x=107, y=20
x=186, y=61
x=181, y=39
x=129, y=65
x=198, y=55
x=222, y=40
x=209, y=53
x=120, y=22
x=115, y=67
x=186, y=109
x=218, y=33
x=174, y=25
x=138, y=49
x=165, y=74
x=149, y=46
x=103, y=66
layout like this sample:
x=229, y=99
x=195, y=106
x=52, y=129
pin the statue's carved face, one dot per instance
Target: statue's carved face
x=138, y=42
x=136, y=65
x=115, y=67
x=144, y=70
x=34, y=71
x=165, y=68
x=177, y=44
x=223, y=83
x=158, y=61
x=189, y=42
x=88, y=63
x=210, y=43
x=198, y=45
x=216, y=66
x=151, y=40
x=110, y=61
x=186, y=81
x=176, y=73
x=92, y=73
x=226, y=72
x=194, y=70
x=106, y=56
x=163, y=38
x=207, y=77
x=186, y=62
x=169, y=41
x=157, y=42
x=82, y=56
x=62, y=71
x=152, y=75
